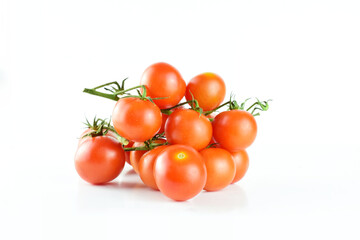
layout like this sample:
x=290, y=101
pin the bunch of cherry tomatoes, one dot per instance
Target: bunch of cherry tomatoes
x=176, y=148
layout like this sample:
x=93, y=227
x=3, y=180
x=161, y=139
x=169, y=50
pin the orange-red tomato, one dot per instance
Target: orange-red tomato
x=163, y=80
x=164, y=118
x=220, y=168
x=127, y=154
x=180, y=172
x=136, y=155
x=99, y=159
x=135, y=119
x=188, y=127
x=234, y=130
x=208, y=89
x=241, y=159
x=146, y=166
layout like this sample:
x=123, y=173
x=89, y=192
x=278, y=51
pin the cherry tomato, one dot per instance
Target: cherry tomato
x=164, y=118
x=188, y=127
x=135, y=119
x=234, y=130
x=220, y=168
x=146, y=166
x=180, y=172
x=241, y=160
x=127, y=154
x=99, y=159
x=208, y=89
x=136, y=155
x=163, y=80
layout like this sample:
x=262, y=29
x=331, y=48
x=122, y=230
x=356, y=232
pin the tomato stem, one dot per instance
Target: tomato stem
x=101, y=94
x=211, y=111
x=146, y=147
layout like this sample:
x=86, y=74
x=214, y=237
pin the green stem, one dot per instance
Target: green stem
x=144, y=148
x=180, y=104
x=107, y=84
x=100, y=94
x=126, y=90
x=211, y=111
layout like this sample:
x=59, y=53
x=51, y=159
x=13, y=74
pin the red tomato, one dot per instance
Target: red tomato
x=136, y=155
x=188, y=127
x=164, y=118
x=163, y=80
x=208, y=89
x=241, y=160
x=146, y=166
x=100, y=159
x=127, y=154
x=135, y=119
x=180, y=172
x=234, y=130
x=220, y=168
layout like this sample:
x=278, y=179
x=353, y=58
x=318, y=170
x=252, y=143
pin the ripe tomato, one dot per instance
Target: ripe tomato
x=136, y=155
x=220, y=168
x=208, y=89
x=146, y=166
x=180, y=172
x=163, y=80
x=135, y=119
x=241, y=160
x=188, y=127
x=164, y=118
x=234, y=130
x=127, y=154
x=99, y=160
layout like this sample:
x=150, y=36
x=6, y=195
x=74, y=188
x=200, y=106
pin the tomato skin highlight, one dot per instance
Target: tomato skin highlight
x=99, y=160
x=220, y=168
x=234, y=130
x=208, y=89
x=241, y=159
x=163, y=80
x=180, y=172
x=135, y=119
x=146, y=166
x=188, y=127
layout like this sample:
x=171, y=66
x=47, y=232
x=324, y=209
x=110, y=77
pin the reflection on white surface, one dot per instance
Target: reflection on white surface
x=129, y=190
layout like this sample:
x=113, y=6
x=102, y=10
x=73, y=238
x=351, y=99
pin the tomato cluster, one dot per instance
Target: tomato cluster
x=177, y=150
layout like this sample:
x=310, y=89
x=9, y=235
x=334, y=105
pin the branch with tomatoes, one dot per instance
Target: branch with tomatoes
x=176, y=147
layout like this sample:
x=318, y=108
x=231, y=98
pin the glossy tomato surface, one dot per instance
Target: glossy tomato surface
x=163, y=80
x=220, y=168
x=146, y=166
x=135, y=119
x=99, y=160
x=234, y=130
x=180, y=172
x=188, y=127
x=241, y=159
x=208, y=89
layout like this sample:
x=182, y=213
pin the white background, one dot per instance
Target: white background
x=304, y=176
